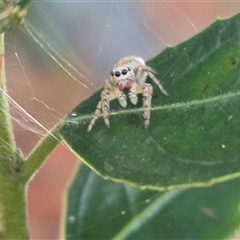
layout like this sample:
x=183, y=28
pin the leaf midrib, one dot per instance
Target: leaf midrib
x=187, y=104
x=142, y=217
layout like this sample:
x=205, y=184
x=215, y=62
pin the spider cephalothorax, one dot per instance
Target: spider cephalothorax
x=123, y=78
x=128, y=77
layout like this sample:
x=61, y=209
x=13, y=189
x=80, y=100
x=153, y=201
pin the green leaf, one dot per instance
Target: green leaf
x=14, y=15
x=99, y=209
x=194, y=134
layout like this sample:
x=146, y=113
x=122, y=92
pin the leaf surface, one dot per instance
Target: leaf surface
x=194, y=134
x=99, y=209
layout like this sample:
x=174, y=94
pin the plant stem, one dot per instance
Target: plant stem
x=40, y=153
x=12, y=192
x=13, y=221
x=13, y=179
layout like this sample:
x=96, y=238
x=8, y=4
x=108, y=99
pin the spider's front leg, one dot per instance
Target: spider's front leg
x=103, y=105
x=95, y=116
x=147, y=100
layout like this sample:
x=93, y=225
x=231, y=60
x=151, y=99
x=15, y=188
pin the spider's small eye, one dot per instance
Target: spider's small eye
x=117, y=74
x=124, y=72
x=128, y=69
x=112, y=73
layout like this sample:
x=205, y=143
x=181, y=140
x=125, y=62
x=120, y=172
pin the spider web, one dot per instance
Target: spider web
x=65, y=50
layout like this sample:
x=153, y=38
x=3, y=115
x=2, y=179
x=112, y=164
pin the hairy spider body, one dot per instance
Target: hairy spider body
x=128, y=78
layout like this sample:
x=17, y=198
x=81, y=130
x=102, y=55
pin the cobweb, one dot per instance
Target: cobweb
x=65, y=50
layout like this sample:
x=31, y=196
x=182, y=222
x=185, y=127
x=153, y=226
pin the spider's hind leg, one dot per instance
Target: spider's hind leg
x=152, y=76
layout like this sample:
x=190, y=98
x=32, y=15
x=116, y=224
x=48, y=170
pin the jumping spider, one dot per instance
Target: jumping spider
x=127, y=76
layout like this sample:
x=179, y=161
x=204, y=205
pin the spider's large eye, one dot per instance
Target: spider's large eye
x=124, y=72
x=117, y=74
